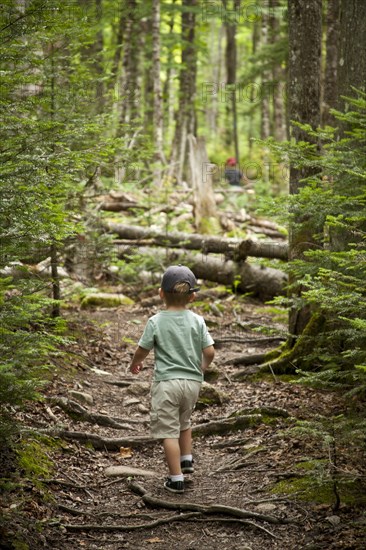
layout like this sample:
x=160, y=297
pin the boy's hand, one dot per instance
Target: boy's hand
x=135, y=369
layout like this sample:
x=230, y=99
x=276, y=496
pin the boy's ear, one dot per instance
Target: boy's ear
x=192, y=297
x=161, y=293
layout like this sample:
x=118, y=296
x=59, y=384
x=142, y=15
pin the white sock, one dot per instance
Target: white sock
x=186, y=457
x=178, y=477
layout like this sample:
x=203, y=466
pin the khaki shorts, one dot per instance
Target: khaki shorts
x=172, y=403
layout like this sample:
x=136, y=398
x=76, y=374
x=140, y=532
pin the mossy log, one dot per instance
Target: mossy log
x=104, y=299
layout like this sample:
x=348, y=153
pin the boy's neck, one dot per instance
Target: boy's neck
x=175, y=308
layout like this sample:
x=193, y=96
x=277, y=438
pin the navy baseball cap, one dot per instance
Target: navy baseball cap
x=178, y=274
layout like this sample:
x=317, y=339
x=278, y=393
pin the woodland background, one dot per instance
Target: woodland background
x=117, y=120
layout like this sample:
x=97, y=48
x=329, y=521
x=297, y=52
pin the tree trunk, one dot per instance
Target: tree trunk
x=158, y=111
x=204, y=199
x=231, y=62
x=265, y=111
x=305, y=19
x=99, y=59
x=278, y=88
x=168, y=89
x=148, y=102
x=330, y=97
x=255, y=39
x=128, y=96
x=56, y=292
x=261, y=282
x=352, y=48
x=118, y=51
x=185, y=115
x=234, y=248
x=212, y=109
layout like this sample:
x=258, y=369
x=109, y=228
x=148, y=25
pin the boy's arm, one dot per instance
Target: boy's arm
x=207, y=357
x=138, y=358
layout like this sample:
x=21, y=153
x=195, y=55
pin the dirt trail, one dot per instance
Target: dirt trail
x=236, y=470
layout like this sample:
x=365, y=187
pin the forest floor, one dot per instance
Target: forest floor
x=263, y=469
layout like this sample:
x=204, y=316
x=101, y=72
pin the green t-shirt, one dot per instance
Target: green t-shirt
x=178, y=338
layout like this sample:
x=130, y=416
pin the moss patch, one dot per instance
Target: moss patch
x=311, y=490
x=104, y=299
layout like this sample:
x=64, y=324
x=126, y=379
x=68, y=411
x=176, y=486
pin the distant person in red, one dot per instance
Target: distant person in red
x=232, y=173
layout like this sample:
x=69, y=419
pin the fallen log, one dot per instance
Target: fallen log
x=261, y=282
x=117, y=206
x=237, y=249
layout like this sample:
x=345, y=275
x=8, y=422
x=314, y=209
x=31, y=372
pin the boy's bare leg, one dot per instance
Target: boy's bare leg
x=172, y=455
x=185, y=442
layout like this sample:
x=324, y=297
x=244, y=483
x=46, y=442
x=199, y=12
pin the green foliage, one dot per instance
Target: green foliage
x=332, y=271
x=29, y=338
x=52, y=137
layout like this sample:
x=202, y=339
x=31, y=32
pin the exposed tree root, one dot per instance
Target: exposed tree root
x=245, y=340
x=78, y=412
x=265, y=411
x=224, y=426
x=255, y=359
x=120, y=383
x=101, y=443
x=290, y=359
x=205, y=509
x=227, y=425
x=163, y=521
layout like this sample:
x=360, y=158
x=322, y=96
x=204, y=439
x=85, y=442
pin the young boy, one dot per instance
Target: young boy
x=183, y=349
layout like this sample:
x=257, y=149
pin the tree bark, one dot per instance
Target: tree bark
x=279, y=119
x=185, y=115
x=168, y=89
x=235, y=248
x=158, y=111
x=255, y=39
x=330, y=97
x=201, y=180
x=99, y=59
x=231, y=62
x=212, y=109
x=305, y=19
x=265, y=111
x=352, y=47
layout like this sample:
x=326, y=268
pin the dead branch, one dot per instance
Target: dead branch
x=75, y=410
